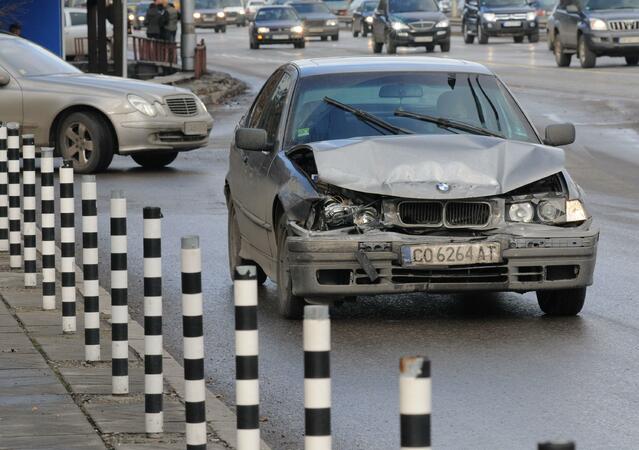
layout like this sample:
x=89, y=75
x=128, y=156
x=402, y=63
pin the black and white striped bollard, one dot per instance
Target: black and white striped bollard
x=67, y=246
x=414, y=402
x=90, y=268
x=247, y=394
x=14, y=213
x=153, y=378
x=47, y=222
x=195, y=398
x=119, y=296
x=556, y=446
x=317, y=378
x=4, y=199
x=29, y=209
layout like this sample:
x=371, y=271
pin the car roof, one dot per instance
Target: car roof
x=336, y=65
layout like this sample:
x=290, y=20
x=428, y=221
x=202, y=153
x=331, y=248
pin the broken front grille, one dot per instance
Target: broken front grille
x=182, y=106
x=451, y=214
x=421, y=213
x=462, y=214
x=623, y=25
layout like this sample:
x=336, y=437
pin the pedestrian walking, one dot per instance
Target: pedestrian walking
x=172, y=19
x=155, y=20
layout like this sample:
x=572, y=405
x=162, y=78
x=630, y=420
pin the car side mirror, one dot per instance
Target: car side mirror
x=5, y=79
x=573, y=9
x=252, y=139
x=560, y=134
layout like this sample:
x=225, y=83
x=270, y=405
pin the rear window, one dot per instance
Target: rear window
x=305, y=8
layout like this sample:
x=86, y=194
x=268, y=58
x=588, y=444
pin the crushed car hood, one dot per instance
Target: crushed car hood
x=412, y=166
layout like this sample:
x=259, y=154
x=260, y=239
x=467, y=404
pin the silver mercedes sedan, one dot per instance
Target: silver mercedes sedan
x=89, y=118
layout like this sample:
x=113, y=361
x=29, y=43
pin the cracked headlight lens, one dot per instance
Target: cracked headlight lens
x=575, y=211
x=521, y=212
x=366, y=217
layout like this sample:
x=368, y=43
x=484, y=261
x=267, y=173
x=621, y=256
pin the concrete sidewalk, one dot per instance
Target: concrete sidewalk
x=51, y=399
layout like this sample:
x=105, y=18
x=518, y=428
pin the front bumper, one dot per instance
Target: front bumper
x=410, y=38
x=321, y=31
x=500, y=28
x=139, y=133
x=270, y=38
x=210, y=22
x=611, y=43
x=324, y=264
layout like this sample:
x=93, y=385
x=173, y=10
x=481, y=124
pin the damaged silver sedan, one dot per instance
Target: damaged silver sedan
x=363, y=176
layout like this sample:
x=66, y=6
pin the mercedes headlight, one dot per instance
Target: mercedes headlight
x=530, y=16
x=369, y=19
x=142, y=105
x=521, y=212
x=489, y=17
x=397, y=25
x=263, y=30
x=197, y=15
x=297, y=29
x=575, y=211
x=598, y=25
x=220, y=14
x=331, y=23
x=443, y=24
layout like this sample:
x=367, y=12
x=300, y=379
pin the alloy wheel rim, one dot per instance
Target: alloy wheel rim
x=79, y=143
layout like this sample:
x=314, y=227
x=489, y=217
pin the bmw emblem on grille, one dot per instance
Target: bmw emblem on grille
x=443, y=187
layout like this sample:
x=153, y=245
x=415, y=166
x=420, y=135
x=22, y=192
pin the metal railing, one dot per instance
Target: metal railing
x=154, y=51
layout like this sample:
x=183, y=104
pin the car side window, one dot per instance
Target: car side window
x=272, y=114
x=261, y=102
x=78, y=18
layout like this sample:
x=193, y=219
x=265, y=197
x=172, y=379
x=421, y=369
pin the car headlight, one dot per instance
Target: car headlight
x=369, y=19
x=263, y=30
x=598, y=25
x=337, y=212
x=141, y=18
x=331, y=23
x=489, y=17
x=297, y=29
x=159, y=109
x=366, y=217
x=575, y=211
x=397, y=25
x=197, y=15
x=443, y=24
x=131, y=17
x=521, y=212
x=530, y=16
x=242, y=13
x=220, y=14
x=142, y=105
x=201, y=104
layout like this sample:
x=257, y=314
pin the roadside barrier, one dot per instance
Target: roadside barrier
x=195, y=390
x=153, y=378
x=247, y=395
x=47, y=224
x=67, y=247
x=29, y=209
x=4, y=199
x=317, y=378
x=414, y=402
x=119, y=296
x=13, y=175
x=556, y=446
x=90, y=269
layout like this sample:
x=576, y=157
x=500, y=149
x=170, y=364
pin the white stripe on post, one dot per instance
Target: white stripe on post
x=29, y=209
x=47, y=223
x=119, y=296
x=414, y=402
x=90, y=269
x=4, y=199
x=13, y=190
x=67, y=246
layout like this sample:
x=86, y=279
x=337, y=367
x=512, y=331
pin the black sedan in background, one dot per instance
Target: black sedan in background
x=485, y=18
x=363, y=18
x=276, y=25
x=319, y=21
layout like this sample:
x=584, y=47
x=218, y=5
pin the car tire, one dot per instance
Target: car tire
x=217, y=30
x=430, y=48
x=561, y=58
x=223, y=29
x=234, y=243
x=324, y=38
x=81, y=130
x=533, y=38
x=299, y=45
x=632, y=60
x=518, y=39
x=290, y=306
x=445, y=47
x=562, y=302
x=587, y=58
x=154, y=160
x=377, y=47
x=468, y=38
x=335, y=37
x=482, y=37
x=551, y=40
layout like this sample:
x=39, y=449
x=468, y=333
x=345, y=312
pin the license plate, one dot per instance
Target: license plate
x=451, y=254
x=195, y=128
x=279, y=36
x=512, y=23
x=424, y=39
x=629, y=40
x=315, y=30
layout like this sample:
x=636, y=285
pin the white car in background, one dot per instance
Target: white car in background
x=251, y=8
x=75, y=26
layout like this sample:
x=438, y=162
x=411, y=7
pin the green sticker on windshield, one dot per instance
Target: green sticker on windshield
x=303, y=132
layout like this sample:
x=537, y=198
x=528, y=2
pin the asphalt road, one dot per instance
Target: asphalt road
x=504, y=376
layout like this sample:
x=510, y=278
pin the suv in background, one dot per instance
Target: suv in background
x=485, y=18
x=410, y=23
x=592, y=28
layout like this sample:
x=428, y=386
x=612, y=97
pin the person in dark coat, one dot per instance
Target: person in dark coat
x=155, y=20
x=172, y=18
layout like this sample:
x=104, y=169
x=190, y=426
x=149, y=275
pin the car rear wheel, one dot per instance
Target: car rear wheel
x=518, y=39
x=468, y=38
x=234, y=245
x=587, y=57
x=561, y=58
x=154, y=160
x=632, y=60
x=562, y=302
x=482, y=37
x=290, y=306
x=377, y=47
x=86, y=139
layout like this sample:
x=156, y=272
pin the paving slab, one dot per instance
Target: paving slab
x=70, y=442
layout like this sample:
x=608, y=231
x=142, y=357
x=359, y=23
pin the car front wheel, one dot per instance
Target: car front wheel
x=561, y=58
x=562, y=302
x=468, y=38
x=587, y=57
x=632, y=60
x=445, y=47
x=154, y=160
x=85, y=138
x=290, y=306
x=518, y=39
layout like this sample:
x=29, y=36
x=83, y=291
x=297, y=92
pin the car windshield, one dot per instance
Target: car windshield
x=594, y=5
x=477, y=100
x=499, y=3
x=208, y=4
x=306, y=8
x=274, y=14
x=403, y=6
x=369, y=6
x=29, y=60
x=142, y=8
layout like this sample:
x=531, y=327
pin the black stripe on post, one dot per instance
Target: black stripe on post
x=67, y=245
x=13, y=191
x=90, y=268
x=119, y=300
x=4, y=199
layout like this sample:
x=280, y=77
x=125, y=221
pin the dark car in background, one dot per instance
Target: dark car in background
x=593, y=28
x=493, y=18
x=319, y=21
x=276, y=25
x=210, y=14
x=361, y=176
x=410, y=23
x=363, y=16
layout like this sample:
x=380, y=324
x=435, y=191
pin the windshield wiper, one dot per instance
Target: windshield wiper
x=447, y=123
x=367, y=118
